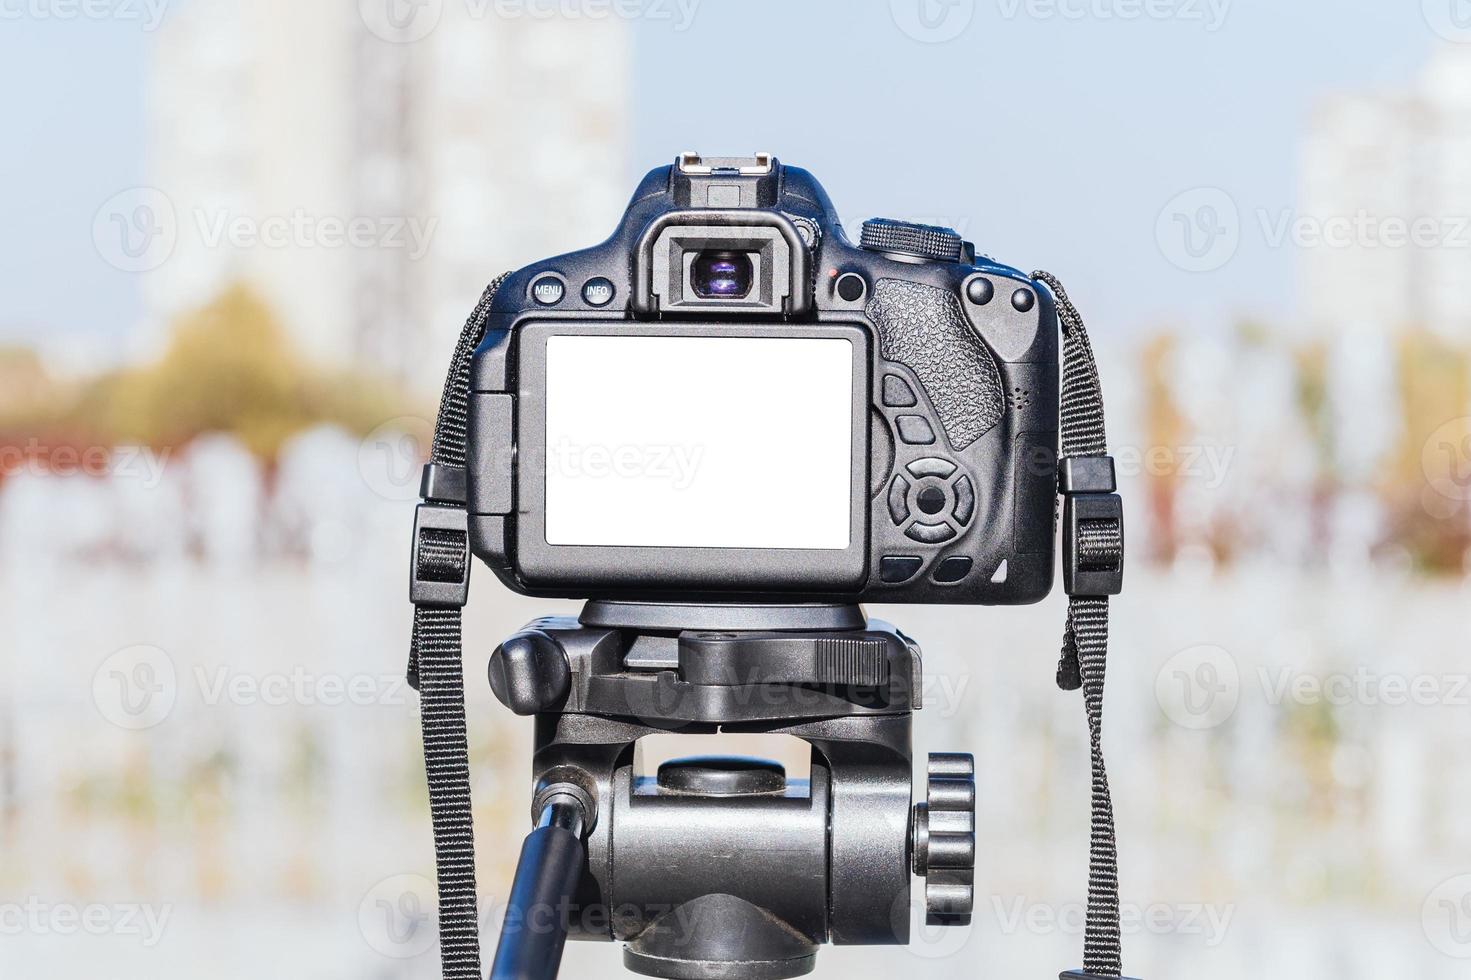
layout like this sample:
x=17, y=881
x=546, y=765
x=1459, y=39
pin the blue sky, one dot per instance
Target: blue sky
x=1052, y=132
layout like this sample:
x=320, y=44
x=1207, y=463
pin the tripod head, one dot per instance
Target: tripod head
x=718, y=866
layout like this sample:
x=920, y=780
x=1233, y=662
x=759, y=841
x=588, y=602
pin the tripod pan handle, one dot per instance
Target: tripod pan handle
x=535, y=928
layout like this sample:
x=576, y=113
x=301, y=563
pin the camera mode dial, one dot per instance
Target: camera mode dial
x=929, y=242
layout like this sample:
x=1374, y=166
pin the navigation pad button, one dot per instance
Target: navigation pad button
x=930, y=533
x=931, y=466
x=965, y=500
x=899, y=500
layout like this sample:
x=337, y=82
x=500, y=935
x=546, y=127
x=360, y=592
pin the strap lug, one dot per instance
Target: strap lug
x=442, y=484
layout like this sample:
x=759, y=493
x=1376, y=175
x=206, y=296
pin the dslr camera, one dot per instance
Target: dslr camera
x=726, y=427
x=730, y=400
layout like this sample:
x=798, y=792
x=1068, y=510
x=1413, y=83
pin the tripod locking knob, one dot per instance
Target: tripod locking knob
x=529, y=672
x=943, y=838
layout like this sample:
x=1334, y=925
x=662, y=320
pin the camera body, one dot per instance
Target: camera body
x=730, y=401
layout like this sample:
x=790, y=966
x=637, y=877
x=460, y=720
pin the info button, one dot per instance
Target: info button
x=597, y=292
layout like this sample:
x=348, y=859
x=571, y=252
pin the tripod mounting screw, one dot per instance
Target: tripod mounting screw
x=943, y=838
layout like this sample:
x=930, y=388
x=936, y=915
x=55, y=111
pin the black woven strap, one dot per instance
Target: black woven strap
x=436, y=668
x=1085, y=639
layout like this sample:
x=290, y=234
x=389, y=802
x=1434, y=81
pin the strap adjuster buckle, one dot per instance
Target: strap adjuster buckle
x=439, y=564
x=1092, y=527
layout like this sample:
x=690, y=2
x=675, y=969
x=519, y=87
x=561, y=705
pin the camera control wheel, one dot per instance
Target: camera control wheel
x=943, y=838
x=928, y=242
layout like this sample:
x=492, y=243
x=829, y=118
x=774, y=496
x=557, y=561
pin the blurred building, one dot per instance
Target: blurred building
x=370, y=175
x=1385, y=190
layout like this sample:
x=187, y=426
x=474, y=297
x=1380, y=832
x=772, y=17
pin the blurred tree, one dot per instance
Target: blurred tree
x=229, y=368
x=1164, y=426
x=1434, y=388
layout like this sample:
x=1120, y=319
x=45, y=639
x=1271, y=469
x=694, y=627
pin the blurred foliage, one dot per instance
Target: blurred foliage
x=1164, y=425
x=229, y=368
x=1434, y=381
x=1433, y=387
x=1313, y=394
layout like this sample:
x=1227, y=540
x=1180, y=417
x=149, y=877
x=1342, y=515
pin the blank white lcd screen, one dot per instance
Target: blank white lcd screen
x=699, y=442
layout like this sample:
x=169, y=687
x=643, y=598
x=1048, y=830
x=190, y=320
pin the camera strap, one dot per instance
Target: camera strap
x=1093, y=553
x=1092, y=536
x=439, y=579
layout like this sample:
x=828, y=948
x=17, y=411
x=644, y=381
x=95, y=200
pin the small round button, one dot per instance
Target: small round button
x=597, y=292
x=1023, y=300
x=548, y=290
x=851, y=287
x=980, y=290
x=931, y=500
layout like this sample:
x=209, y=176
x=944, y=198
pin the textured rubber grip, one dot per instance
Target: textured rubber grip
x=924, y=328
